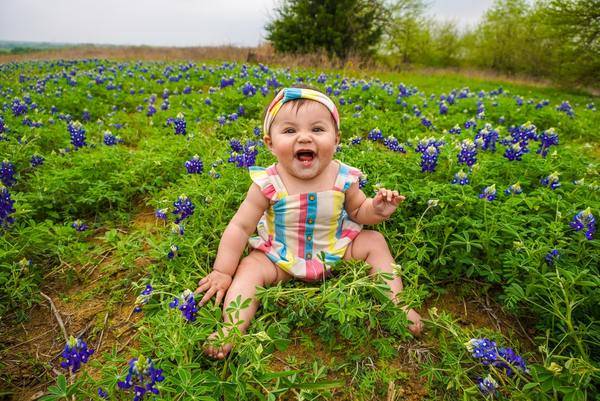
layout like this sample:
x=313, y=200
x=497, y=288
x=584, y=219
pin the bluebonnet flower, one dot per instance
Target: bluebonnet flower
x=222, y=120
x=179, y=124
x=78, y=225
x=487, y=386
x=18, y=108
x=165, y=105
x=468, y=153
x=183, y=208
x=552, y=256
x=161, y=214
x=173, y=252
x=77, y=134
x=470, y=124
x=177, y=229
x=443, y=108
x=489, y=354
x=194, y=165
x=75, y=353
x=233, y=116
x=426, y=122
x=7, y=173
x=585, y=220
x=551, y=181
x=547, y=139
x=488, y=193
x=207, y=101
x=322, y=78
x=513, y=189
x=151, y=110
x=429, y=149
x=243, y=156
x=186, y=303
x=6, y=207
x=508, y=359
x=461, y=178
x=241, y=110
x=2, y=127
x=143, y=298
x=362, y=182
x=102, y=393
x=248, y=89
x=36, y=160
x=187, y=90
x=487, y=137
x=356, y=140
x=590, y=106
x=515, y=151
x=213, y=173
x=455, y=130
x=375, y=135
x=566, y=108
x=519, y=101
x=110, y=139
x=225, y=82
x=392, y=144
x=257, y=131
x=85, y=116
x=142, y=376
x=482, y=348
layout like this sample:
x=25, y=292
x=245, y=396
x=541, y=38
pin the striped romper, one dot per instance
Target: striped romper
x=304, y=234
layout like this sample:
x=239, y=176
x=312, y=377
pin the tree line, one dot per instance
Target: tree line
x=554, y=39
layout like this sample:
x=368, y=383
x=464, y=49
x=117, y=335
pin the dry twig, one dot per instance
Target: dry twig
x=56, y=315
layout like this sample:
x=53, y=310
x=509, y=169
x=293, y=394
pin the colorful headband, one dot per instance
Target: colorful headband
x=287, y=94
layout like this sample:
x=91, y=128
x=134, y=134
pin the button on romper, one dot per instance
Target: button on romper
x=304, y=234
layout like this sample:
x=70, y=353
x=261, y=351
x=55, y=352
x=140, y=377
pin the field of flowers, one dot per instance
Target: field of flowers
x=118, y=178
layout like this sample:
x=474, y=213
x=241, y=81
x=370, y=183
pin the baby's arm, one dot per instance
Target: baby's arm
x=232, y=245
x=369, y=211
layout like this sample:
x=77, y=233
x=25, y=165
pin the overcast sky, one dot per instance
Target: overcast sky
x=166, y=22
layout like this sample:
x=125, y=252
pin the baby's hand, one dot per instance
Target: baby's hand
x=386, y=201
x=215, y=283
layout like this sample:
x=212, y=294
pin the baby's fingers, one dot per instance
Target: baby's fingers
x=209, y=294
x=202, y=287
x=220, y=296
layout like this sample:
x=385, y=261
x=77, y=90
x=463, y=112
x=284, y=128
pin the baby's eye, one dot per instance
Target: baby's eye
x=318, y=129
x=289, y=131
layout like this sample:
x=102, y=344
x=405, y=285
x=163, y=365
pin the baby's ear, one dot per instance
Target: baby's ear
x=338, y=138
x=267, y=141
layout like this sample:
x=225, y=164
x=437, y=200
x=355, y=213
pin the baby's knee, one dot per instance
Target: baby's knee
x=252, y=269
x=373, y=238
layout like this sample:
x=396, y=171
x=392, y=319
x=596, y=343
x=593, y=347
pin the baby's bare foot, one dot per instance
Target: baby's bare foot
x=416, y=328
x=215, y=351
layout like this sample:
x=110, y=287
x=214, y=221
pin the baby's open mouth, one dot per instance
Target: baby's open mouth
x=305, y=155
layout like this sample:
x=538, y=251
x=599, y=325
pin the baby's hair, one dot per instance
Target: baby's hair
x=297, y=104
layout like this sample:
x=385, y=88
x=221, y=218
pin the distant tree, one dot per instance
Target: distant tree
x=407, y=33
x=339, y=27
x=575, y=24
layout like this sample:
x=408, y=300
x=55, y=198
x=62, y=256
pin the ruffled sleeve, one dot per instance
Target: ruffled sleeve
x=260, y=176
x=347, y=176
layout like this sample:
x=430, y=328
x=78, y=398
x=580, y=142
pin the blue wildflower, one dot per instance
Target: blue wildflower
x=461, y=178
x=194, y=165
x=257, y=131
x=79, y=226
x=186, y=303
x=102, y=393
x=470, y=124
x=566, y=108
x=392, y=144
x=6, y=207
x=179, y=124
x=161, y=214
x=488, y=193
x=7, y=173
x=486, y=138
x=551, y=181
x=36, y=160
x=183, y=208
x=110, y=139
x=77, y=134
x=513, y=189
x=225, y=82
x=468, y=153
x=515, y=151
x=585, y=220
x=142, y=376
x=443, y=108
x=173, y=252
x=248, y=89
x=426, y=122
x=429, y=149
x=75, y=353
x=375, y=135
x=487, y=386
x=151, y=110
x=143, y=298
x=547, y=139
x=551, y=257
x=356, y=140
x=243, y=156
x=455, y=130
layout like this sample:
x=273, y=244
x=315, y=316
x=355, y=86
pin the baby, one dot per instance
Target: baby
x=308, y=211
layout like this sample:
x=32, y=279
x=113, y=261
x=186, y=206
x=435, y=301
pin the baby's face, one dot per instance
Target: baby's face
x=303, y=139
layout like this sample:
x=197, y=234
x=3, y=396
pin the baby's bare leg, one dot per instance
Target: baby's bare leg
x=371, y=247
x=255, y=270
